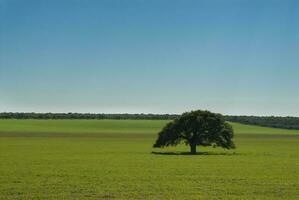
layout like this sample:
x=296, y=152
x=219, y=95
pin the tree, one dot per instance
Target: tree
x=197, y=128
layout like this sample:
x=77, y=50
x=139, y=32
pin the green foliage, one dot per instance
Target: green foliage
x=275, y=122
x=11, y=115
x=197, y=128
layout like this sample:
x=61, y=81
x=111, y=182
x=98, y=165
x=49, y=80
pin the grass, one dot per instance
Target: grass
x=53, y=127
x=110, y=159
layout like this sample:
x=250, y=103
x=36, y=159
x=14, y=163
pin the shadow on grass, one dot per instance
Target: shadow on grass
x=197, y=154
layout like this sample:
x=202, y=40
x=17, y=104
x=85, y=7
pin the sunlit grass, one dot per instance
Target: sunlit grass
x=111, y=159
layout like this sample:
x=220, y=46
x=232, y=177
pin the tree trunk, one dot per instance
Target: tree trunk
x=193, y=148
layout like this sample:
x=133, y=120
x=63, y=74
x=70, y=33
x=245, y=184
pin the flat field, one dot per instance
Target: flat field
x=114, y=159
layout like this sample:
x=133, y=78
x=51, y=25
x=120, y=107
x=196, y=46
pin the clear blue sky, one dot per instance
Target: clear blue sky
x=154, y=56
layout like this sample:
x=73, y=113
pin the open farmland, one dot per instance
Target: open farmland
x=113, y=159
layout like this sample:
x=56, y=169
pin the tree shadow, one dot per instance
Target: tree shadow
x=197, y=154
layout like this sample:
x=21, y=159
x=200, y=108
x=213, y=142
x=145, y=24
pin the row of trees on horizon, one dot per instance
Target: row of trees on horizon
x=269, y=121
x=32, y=115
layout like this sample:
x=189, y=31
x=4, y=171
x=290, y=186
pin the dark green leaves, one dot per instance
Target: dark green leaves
x=197, y=128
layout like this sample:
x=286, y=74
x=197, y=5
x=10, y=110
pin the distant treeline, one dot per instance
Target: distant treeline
x=275, y=122
x=11, y=115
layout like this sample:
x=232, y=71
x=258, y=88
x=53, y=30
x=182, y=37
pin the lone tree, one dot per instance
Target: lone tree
x=197, y=128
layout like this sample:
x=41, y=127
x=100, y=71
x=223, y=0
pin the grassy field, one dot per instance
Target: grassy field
x=110, y=159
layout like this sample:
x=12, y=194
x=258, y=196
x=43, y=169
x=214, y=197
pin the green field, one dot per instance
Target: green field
x=111, y=159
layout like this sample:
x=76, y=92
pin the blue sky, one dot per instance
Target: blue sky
x=154, y=56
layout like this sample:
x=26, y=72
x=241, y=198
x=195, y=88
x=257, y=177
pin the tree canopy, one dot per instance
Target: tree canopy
x=197, y=128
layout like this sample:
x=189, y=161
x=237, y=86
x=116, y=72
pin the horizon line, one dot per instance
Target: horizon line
x=144, y=113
